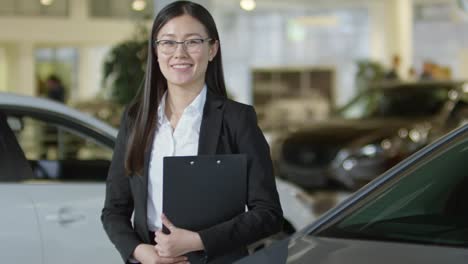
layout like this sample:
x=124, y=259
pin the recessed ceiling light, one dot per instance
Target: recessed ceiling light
x=138, y=5
x=46, y=2
x=248, y=5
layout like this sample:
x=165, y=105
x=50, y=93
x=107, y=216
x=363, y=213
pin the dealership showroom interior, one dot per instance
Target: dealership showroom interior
x=363, y=106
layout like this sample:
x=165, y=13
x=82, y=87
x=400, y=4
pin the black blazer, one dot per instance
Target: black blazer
x=227, y=127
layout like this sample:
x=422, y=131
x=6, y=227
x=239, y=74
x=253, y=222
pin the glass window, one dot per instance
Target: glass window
x=13, y=165
x=122, y=9
x=56, y=152
x=427, y=205
x=61, y=62
x=56, y=8
x=294, y=35
x=440, y=20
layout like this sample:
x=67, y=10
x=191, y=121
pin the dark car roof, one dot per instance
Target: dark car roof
x=392, y=86
x=412, y=85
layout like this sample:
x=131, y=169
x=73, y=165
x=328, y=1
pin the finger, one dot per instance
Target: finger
x=162, y=251
x=159, y=250
x=172, y=260
x=182, y=262
x=156, y=236
x=160, y=237
x=167, y=223
x=159, y=233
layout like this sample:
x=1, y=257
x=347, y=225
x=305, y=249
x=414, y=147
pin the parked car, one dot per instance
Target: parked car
x=376, y=130
x=51, y=206
x=414, y=213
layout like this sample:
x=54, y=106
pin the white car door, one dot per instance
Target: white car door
x=69, y=217
x=68, y=192
x=20, y=238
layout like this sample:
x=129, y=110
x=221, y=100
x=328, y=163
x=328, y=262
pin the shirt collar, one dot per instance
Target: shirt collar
x=195, y=107
x=198, y=103
x=161, y=115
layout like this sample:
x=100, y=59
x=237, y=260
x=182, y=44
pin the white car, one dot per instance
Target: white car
x=51, y=214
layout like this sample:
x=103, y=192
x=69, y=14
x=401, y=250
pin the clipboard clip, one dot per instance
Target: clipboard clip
x=193, y=162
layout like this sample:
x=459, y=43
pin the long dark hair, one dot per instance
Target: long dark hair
x=142, y=112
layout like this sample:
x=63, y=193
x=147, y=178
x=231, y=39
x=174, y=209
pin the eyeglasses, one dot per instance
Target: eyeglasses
x=190, y=45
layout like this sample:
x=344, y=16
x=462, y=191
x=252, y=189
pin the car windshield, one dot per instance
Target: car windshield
x=397, y=102
x=426, y=204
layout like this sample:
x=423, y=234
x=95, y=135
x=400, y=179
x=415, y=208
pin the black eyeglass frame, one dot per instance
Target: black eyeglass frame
x=184, y=43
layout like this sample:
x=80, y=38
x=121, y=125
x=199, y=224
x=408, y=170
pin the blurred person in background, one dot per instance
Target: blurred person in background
x=427, y=73
x=55, y=88
x=392, y=74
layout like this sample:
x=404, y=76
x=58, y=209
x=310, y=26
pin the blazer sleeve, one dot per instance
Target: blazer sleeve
x=118, y=205
x=265, y=216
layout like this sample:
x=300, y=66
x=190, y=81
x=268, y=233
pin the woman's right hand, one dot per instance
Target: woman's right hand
x=147, y=254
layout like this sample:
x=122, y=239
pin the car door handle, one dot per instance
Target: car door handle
x=66, y=216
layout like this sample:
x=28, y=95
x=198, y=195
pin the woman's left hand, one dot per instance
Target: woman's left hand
x=178, y=242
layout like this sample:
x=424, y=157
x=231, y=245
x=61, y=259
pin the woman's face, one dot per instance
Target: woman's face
x=185, y=66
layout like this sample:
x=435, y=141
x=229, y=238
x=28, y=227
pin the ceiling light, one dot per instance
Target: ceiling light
x=248, y=5
x=46, y=2
x=138, y=5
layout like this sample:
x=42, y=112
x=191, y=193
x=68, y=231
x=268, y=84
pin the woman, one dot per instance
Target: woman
x=183, y=110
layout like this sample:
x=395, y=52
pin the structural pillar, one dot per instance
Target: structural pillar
x=3, y=69
x=23, y=80
x=391, y=23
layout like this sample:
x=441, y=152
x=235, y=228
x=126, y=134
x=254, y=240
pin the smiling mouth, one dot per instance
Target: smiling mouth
x=181, y=66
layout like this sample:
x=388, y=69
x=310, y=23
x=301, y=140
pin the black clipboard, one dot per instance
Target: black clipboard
x=202, y=191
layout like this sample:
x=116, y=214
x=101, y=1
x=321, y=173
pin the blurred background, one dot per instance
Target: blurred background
x=344, y=90
x=272, y=49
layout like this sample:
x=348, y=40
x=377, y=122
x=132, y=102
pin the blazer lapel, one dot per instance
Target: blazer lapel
x=211, y=124
x=146, y=164
x=145, y=176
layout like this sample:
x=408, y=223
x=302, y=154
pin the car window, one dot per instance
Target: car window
x=13, y=164
x=426, y=205
x=57, y=152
